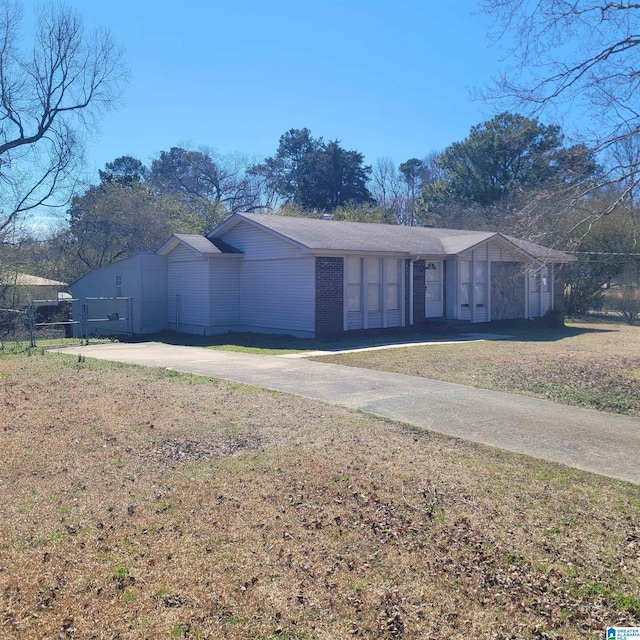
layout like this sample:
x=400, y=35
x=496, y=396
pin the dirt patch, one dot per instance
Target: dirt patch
x=173, y=452
x=138, y=504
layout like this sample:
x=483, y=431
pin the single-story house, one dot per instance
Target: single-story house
x=18, y=290
x=316, y=277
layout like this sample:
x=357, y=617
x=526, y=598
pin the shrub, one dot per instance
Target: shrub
x=626, y=300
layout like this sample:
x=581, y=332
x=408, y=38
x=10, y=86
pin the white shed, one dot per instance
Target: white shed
x=129, y=296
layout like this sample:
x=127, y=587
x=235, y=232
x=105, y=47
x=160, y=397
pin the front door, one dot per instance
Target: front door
x=433, y=307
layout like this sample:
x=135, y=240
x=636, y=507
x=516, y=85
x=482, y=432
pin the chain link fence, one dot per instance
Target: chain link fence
x=68, y=318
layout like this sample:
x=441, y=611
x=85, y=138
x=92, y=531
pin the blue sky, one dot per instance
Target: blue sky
x=387, y=79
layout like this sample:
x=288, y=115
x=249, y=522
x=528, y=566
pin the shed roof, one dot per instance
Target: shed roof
x=27, y=280
x=340, y=236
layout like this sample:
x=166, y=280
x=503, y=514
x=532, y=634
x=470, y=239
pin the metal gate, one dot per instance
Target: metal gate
x=82, y=317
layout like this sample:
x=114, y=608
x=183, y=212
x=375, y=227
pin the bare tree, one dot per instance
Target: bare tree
x=577, y=60
x=50, y=95
x=206, y=182
x=385, y=187
x=399, y=189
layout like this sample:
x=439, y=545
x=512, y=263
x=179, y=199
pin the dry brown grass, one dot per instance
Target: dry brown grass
x=590, y=364
x=147, y=504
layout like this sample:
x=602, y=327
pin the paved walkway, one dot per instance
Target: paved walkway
x=590, y=440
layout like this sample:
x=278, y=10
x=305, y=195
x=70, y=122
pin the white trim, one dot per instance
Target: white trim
x=411, y=263
x=364, y=303
x=209, y=316
x=472, y=286
x=403, y=293
x=383, y=288
x=456, y=284
x=440, y=269
x=345, y=295
x=487, y=293
x=540, y=292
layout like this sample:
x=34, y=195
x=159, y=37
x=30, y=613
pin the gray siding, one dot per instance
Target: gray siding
x=142, y=279
x=278, y=295
x=187, y=292
x=394, y=318
x=153, y=314
x=258, y=244
x=225, y=293
x=499, y=254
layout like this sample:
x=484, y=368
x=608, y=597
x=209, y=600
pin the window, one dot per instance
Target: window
x=546, y=281
x=535, y=282
x=392, y=279
x=373, y=284
x=464, y=295
x=480, y=289
x=465, y=283
x=118, y=286
x=354, y=284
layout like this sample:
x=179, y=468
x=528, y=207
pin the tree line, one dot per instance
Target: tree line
x=512, y=173
x=504, y=176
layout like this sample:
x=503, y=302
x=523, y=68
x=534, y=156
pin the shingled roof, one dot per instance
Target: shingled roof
x=27, y=280
x=200, y=244
x=340, y=236
x=541, y=253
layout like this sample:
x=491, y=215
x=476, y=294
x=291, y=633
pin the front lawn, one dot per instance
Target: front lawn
x=589, y=364
x=144, y=503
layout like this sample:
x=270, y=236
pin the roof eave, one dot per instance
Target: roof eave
x=337, y=253
x=561, y=257
x=170, y=245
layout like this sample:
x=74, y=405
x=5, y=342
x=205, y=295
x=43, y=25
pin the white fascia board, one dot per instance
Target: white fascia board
x=225, y=226
x=168, y=246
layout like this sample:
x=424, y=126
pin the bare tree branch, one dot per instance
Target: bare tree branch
x=48, y=98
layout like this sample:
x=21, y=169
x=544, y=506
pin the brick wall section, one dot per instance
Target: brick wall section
x=418, y=293
x=329, y=296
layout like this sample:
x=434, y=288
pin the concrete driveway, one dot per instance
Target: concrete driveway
x=603, y=443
